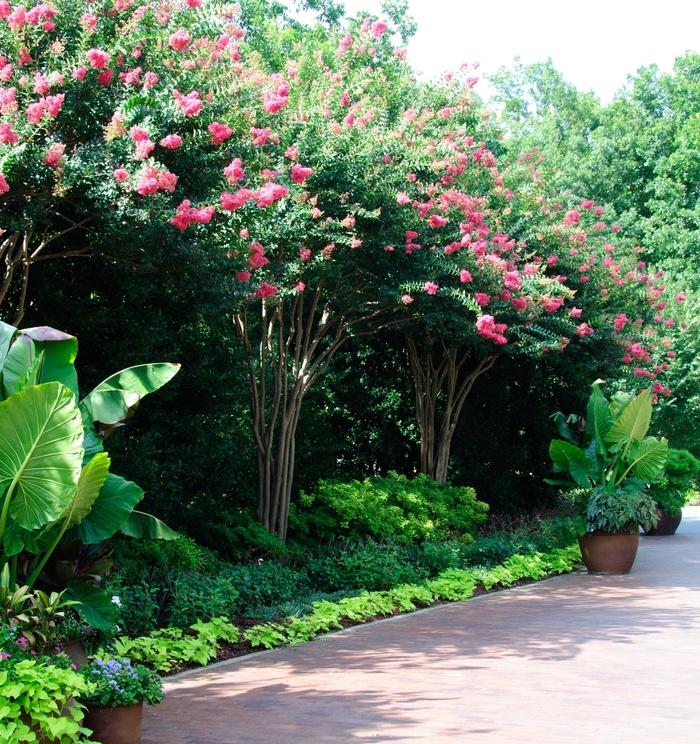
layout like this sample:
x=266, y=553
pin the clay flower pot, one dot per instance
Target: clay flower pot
x=606, y=553
x=120, y=725
x=667, y=524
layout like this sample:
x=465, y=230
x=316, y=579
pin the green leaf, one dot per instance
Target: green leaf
x=53, y=350
x=568, y=458
x=649, y=459
x=147, y=527
x=93, y=605
x=116, y=501
x=12, y=539
x=113, y=400
x=40, y=452
x=632, y=424
x=598, y=418
x=92, y=478
x=7, y=333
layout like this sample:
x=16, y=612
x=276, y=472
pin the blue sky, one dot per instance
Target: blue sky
x=595, y=43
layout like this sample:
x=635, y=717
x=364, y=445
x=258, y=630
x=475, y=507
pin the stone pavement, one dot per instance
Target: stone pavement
x=576, y=658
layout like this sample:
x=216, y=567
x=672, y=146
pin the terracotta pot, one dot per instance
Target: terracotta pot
x=605, y=553
x=120, y=725
x=667, y=524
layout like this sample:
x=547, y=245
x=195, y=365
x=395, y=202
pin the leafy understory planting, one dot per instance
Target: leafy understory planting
x=170, y=649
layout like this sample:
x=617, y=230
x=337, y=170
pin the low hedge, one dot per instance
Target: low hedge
x=170, y=649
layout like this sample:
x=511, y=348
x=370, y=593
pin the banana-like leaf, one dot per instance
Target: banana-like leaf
x=116, y=501
x=54, y=351
x=92, y=478
x=632, y=424
x=7, y=333
x=113, y=400
x=147, y=527
x=93, y=605
x=598, y=418
x=41, y=437
x=648, y=459
x=568, y=458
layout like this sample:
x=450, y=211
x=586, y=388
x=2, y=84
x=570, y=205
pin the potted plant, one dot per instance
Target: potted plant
x=609, y=457
x=671, y=492
x=116, y=692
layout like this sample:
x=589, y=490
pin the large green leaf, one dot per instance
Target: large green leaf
x=93, y=605
x=113, y=400
x=648, y=458
x=110, y=510
x=92, y=478
x=53, y=350
x=632, y=424
x=41, y=437
x=568, y=458
x=598, y=418
x=147, y=527
x=7, y=333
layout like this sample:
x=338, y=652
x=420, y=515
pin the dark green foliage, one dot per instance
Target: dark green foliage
x=671, y=493
x=199, y=597
x=370, y=566
x=262, y=584
x=138, y=610
x=392, y=506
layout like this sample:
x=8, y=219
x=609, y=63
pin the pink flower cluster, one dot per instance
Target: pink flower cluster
x=186, y=214
x=487, y=327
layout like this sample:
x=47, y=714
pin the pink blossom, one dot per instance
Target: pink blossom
x=171, y=141
x=4, y=186
x=35, y=111
x=260, y=136
x=105, y=77
x=143, y=149
x=572, y=217
x=512, y=280
x=17, y=18
x=575, y=312
x=487, y=327
x=299, y=173
x=406, y=299
x=150, y=80
x=552, y=304
x=54, y=154
x=138, y=134
x=7, y=135
x=231, y=202
x=620, y=321
x=234, y=171
x=147, y=185
x=5, y=8
x=519, y=303
x=403, y=198
x=430, y=288
x=583, y=330
x=269, y=194
x=378, y=29
x=219, y=132
x=465, y=276
x=436, y=220
x=482, y=299
x=180, y=40
x=97, y=58
x=190, y=103
x=120, y=175
x=79, y=73
x=680, y=297
x=272, y=102
x=167, y=181
x=300, y=287
x=88, y=21
x=243, y=276
x=194, y=3
x=292, y=153
x=266, y=290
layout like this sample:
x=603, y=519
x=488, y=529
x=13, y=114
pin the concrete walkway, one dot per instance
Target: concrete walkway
x=573, y=659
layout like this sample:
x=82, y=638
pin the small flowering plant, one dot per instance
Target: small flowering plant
x=116, y=682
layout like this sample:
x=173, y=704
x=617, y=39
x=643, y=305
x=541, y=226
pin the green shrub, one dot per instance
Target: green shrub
x=267, y=583
x=369, y=566
x=435, y=557
x=137, y=606
x=671, y=492
x=388, y=507
x=197, y=597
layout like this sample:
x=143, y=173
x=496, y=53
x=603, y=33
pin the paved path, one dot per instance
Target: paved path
x=574, y=659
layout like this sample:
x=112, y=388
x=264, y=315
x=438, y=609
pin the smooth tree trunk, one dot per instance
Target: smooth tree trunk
x=289, y=345
x=442, y=378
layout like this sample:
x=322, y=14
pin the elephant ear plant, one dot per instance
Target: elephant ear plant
x=58, y=500
x=610, y=458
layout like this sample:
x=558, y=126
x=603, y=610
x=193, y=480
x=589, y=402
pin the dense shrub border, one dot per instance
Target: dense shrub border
x=171, y=650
